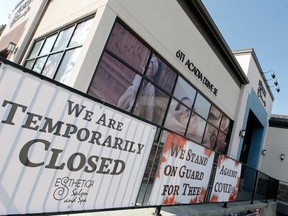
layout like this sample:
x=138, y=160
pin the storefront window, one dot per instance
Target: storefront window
x=64, y=72
x=63, y=39
x=202, y=106
x=36, y=49
x=196, y=128
x=51, y=65
x=216, y=131
x=214, y=117
x=151, y=103
x=128, y=48
x=161, y=74
x=115, y=83
x=178, y=115
x=184, y=90
x=52, y=57
x=80, y=33
x=136, y=79
x=39, y=64
x=48, y=45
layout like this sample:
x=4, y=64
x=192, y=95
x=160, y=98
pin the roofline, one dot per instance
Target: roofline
x=279, y=121
x=253, y=53
x=213, y=31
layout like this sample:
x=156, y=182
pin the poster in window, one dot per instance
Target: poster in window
x=151, y=103
x=214, y=116
x=184, y=90
x=196, y=128
x=222, y=143
x=210, y=136
x=115, y=83
x=183, y=174
x=161, y=74
x=225, y=125
x=226, y=180
x=178, y=115
x=128, y=48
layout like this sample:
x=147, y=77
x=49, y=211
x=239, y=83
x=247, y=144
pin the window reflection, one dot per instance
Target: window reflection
x=51, y=65
x=29, y=64
x=63, y=39
x=151, y=103
x=48, y=45
x=39, y=64
x=67, y=65
x=80, y=33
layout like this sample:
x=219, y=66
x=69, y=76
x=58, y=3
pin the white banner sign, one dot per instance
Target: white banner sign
x=227, y=180
x=183, y=174
x=60, y=151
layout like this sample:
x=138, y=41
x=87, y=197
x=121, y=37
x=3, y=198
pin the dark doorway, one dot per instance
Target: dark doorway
x=252, y=140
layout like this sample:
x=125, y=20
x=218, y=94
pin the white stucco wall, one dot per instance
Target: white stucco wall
x=249, y=63
x=276, y=144
x=250, y=67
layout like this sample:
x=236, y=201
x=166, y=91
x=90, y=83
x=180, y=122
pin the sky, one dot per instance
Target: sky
x=263, y=26
x=244, y=24
x=6, y=8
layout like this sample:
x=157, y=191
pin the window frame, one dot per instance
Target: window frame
x=52, y=52
x=171, y=96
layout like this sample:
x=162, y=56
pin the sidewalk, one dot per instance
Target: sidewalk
x=217, y=209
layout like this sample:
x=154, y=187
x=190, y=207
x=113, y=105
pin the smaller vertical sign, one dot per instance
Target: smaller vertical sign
x=183, y=174
x=227, y=180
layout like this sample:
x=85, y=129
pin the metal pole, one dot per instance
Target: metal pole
x=157, y=211
x=254, y=188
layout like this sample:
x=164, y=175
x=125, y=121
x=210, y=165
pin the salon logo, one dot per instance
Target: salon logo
x=72, y=190
x=261, y=92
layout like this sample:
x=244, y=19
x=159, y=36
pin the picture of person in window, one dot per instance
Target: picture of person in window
x=146, y=99
x=178, y=119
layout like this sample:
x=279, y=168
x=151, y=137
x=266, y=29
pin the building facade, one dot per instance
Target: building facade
x=274, y=161
x=100, y=49
x=254, y=110
x=163, y=62
x=23, y=21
